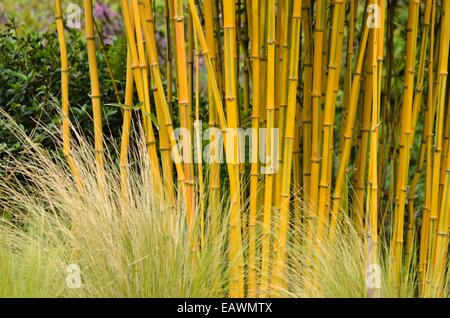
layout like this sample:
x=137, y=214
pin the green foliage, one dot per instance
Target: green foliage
x=30, y=90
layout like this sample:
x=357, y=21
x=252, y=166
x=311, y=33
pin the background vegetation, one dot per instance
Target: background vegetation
x=363, y=175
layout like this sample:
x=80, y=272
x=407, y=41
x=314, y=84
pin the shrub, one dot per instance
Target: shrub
x=30, y=77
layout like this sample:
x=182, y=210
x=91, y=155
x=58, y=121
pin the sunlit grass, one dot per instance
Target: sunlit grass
x=138, y=247
x=124, y=248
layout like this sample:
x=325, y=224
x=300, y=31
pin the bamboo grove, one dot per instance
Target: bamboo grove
x=343, y=111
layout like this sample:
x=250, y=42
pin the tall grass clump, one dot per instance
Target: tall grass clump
x=133, y=247
x=130, y=244
x=337, y=267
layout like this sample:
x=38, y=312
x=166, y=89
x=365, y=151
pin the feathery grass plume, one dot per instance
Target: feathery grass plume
x=140, y=253
x=338, y=265
x=144, y=252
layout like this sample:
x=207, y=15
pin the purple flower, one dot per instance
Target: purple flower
x=3, y=17
x=108, y=21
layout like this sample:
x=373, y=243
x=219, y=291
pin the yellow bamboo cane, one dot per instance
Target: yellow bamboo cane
x=271, y=159
x=146, y=12
x=349, y=123
x=198, y=132
x=360, y=174
x=416, y=108
x=95, y=91
x=281, y=93
x=424, y=237
x=184, y=106
x=437, y=267
x=65, y=95
x=316, y=99
x=281, y=96
x=145, y=95
x=254, y=169
x=126, y=126
x=232, y=123
x=403, y=167
x=328, y=123
x=372, y=192
x=237, y=264
x=294, y=54
x=214, y=180
x=306, y=114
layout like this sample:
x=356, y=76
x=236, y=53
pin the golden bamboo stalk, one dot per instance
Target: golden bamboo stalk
x=198, y=132
x=140, y=63
x=95, y=91
x=440, y=242
x=214, y=180
x=424, y=237
x=65, y=95
x=349, y=123
x=361, y=161
x=316, y=99
x=372, y=192
x=126, y=127
x=233, y=150
x=184, y=107
x=403, y=167
x=280, y=255
x=270, y=162
x=146, y=12
x=416, y=107
x=328, y=122
x=254, y=169
x=237, y=265
x=306, y=114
